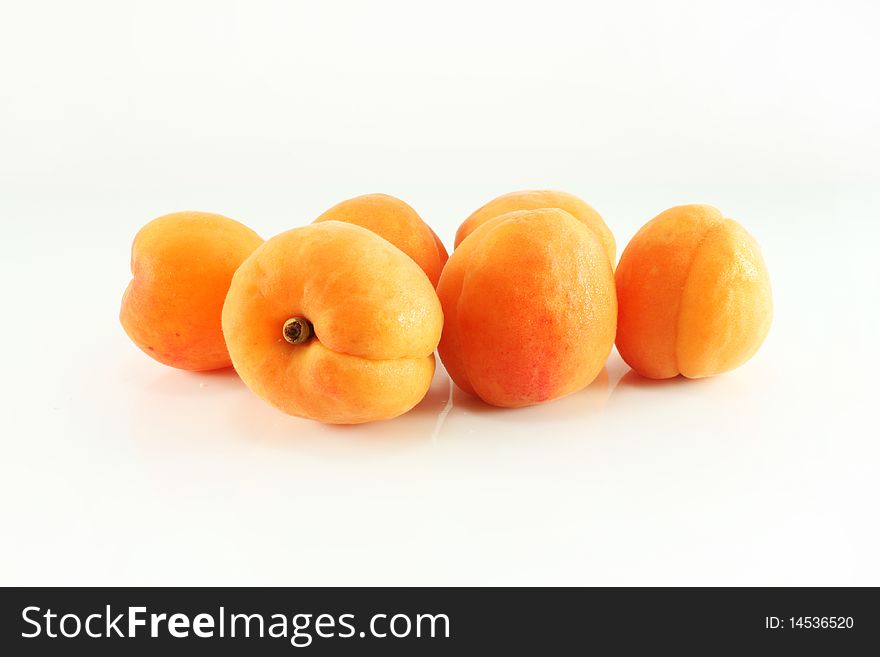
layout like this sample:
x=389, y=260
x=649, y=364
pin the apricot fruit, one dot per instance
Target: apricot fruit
x=182, y=265
x=331, y=322
x=694, y=295
x=533, y=200
x=530, y=308
x=397, y=222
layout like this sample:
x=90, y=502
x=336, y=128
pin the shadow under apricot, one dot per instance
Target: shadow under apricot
x=633, y=379
x=178, y=383
x=637, y=390
x=255, y=421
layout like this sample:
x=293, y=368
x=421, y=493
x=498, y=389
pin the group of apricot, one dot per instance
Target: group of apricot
x=338, y=320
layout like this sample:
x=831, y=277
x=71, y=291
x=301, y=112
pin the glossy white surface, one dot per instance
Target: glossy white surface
x=116, y=470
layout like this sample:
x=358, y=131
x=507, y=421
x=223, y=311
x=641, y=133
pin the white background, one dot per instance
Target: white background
x=116, y=470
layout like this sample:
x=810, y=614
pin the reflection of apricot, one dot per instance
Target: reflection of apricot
x=533, y=200
x=529, y=307
x=333, y=323
x=181, y=267
x=397, y=222
x=694, y=295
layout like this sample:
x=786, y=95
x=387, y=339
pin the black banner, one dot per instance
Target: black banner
x=418, y=621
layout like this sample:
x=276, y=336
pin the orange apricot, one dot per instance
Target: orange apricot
x=397, y=222
x=533, y=200
x=694, y=295
x=529, y=306
x=181, y=265
x=331, y=322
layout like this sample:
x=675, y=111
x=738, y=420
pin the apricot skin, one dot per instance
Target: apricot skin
x=694, y=295
x=530, y=308
x=375, y=317
x=533, y=200
x=397, y=222
x=182, y=265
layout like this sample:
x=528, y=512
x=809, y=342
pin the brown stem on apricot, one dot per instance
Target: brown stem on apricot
x=297, y=330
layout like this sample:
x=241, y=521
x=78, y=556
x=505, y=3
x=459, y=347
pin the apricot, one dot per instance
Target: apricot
x=182, y=265
x=397, y=222
x=694, y=295
x=533, y=200
x=530, y=308
x=331, y=322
